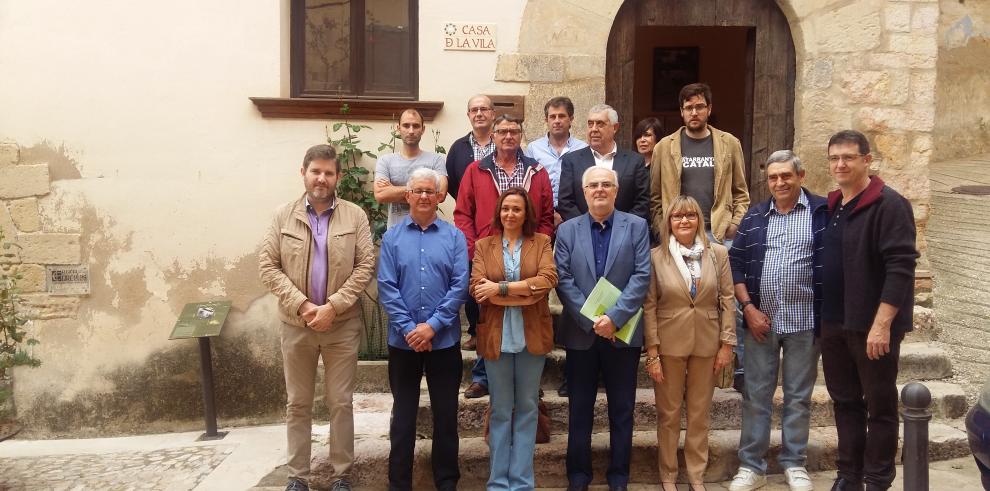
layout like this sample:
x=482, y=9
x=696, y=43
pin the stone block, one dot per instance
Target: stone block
x=20, y=181
x=912, y=43
x=7, y=223
x=583, y=67
x=529, y=68
x=32, y=278
x=925, y=19
x=923, y=86
x=897, y=17
x=891, y=145
x=44, y=306
x=834, y=28
x=24, y=213
x=899, y=60
x=818, y=73
x=912, y=118
x=887, y=87
x=10, y=153
x=50, y=248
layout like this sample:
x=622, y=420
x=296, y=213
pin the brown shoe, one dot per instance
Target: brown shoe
x=471, y=344
x=475, y=390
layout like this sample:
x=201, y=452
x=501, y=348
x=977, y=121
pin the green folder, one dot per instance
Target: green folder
x=602, y=298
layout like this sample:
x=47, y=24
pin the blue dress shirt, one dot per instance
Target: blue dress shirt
x=423, y=277
x=545, y=154
x=601, y=235
x=513, y=334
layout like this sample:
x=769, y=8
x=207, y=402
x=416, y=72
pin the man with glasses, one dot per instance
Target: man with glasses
x=551, y=148
x=422, y=282
x=868, y=284
x=602, y=243
x=706, y=164
x=481, y=186
x=602, y=151
x=472, y=147
x=776, y=266
x=392, y=169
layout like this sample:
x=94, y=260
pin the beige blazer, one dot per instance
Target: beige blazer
x=679, y=325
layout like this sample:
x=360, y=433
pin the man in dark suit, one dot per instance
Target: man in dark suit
x=634, y=177
x=603, y=243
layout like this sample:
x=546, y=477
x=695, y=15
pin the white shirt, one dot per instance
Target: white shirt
x=606, y=159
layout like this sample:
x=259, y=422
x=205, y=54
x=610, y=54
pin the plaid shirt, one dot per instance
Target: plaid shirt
x=506, y=180
x=787, y=287
x=481, y=151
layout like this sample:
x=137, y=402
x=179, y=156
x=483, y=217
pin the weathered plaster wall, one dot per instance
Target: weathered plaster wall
x=131, y=133
x=962, y=96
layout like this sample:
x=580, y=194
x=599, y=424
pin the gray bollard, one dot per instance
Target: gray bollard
x=916, y=399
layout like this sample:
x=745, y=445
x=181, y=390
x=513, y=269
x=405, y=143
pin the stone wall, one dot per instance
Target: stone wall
x=962, y=98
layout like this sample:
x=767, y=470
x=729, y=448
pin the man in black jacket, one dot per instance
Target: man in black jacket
x=868, y=285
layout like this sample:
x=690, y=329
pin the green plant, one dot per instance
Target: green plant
x=13, y=338
x=354, y=178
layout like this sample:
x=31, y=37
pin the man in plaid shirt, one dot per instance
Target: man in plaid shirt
x=776, y=267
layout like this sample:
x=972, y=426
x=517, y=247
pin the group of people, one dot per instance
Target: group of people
x=701, y=276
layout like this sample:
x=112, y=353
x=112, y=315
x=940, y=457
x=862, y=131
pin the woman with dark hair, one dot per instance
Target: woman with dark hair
x=690, y=329
x=511, y=275
x=645, y=137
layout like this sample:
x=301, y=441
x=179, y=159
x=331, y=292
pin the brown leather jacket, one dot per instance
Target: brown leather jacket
x=536, y=267
x=283, y=261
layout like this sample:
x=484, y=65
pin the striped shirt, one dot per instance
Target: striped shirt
x=787, y=286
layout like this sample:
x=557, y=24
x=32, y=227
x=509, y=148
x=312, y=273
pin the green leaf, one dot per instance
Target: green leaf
x=336, y=126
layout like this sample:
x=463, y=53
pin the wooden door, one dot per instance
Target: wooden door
x=768, y=106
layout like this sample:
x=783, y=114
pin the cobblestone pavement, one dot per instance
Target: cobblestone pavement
x=170, y=469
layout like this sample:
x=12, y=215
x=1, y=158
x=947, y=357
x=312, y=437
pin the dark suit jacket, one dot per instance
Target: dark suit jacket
x=634, y=183
x=627, y=267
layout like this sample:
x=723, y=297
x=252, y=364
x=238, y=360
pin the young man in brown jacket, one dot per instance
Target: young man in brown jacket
x=317, y=258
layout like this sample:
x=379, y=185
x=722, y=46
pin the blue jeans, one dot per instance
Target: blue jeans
x=800, y=369
x=515, y=395
x=478, y=372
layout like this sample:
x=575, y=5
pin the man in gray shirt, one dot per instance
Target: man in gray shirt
x=393, y=169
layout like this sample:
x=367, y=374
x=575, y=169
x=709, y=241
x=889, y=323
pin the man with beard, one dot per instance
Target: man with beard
x=316, y=259
x=392, y=170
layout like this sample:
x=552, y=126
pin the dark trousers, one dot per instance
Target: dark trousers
x=473, y=312
x=617, y=368
x=443, y=377
x=864, y=397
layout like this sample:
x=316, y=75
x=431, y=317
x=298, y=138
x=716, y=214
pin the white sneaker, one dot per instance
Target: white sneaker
x=797, y=479
x=747, y=480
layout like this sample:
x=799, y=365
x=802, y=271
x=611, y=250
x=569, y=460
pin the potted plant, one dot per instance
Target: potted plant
x=15, y=345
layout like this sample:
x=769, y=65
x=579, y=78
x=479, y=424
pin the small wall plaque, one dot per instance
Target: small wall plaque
x=67, y=280
x=469, y=36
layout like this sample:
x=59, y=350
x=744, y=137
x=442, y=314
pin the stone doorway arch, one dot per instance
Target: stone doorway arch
x=756, y=29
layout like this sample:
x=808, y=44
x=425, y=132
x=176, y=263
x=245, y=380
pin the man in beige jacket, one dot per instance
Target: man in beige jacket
x=317, y=258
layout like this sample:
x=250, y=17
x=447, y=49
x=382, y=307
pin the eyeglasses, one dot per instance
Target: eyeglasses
x=476, y=110
x=834, y=159
x=505, y=131
x=680, y=217
x=600, y=185
x=695, y=108
x=422, y=192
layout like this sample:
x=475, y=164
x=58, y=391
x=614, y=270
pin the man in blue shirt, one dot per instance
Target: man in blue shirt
x=602, y=243
x=548, y=150
x=422, y=283
x=777, y=270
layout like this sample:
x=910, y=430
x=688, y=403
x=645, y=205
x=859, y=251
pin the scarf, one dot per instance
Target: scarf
x=688, y=261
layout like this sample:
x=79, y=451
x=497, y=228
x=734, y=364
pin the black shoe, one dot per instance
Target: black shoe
x=475, y=390
x=341, y=485
x=876, y=487
x=738, y=382
x=843, y=484
x=562, y=390
x=577, y=487
x=617, y=488
x=297, y=485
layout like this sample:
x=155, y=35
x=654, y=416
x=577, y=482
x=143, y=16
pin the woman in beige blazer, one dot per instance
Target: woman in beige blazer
x=689, y=332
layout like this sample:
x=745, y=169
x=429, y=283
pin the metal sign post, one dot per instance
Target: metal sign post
x=203, y=320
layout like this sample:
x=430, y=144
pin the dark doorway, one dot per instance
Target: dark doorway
x=741, y=48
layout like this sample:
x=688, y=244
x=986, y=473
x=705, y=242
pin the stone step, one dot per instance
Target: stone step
x=371, y=457
x=948, y=402
x=919, y=361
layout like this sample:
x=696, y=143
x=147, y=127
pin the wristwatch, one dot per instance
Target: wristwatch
x=742, y=306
